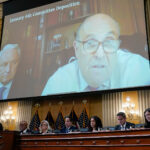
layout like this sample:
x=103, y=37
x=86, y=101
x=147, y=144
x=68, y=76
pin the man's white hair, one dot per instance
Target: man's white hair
x=11, y=46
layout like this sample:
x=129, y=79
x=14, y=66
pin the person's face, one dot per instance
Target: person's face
x=44, y=126
x=23, y=126
x=68, y=123
x=8, y=65
x=147, y=116
x=96, y=65
x=121, y=120
x=92, y=123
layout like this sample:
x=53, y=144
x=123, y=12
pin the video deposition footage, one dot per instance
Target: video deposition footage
x=72, y=47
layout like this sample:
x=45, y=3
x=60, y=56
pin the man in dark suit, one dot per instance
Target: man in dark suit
x=68, y=126
x=9, y=61
x=1, y=127
x=15, y=82
x=24, y=128
x=123, y=124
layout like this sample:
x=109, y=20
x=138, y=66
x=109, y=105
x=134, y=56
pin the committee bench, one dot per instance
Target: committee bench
x=138, y=139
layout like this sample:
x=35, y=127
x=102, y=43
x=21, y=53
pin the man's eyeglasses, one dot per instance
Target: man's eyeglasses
x=109, y=46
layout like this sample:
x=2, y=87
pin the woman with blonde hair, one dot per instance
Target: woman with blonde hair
x=45, y=127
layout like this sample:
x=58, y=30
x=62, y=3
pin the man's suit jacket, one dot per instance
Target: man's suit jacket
x=26, y=132
x=128, y=125
x=1, y=127
x=71, y=129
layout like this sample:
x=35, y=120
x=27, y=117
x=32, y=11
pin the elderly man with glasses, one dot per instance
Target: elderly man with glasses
x=100, y=63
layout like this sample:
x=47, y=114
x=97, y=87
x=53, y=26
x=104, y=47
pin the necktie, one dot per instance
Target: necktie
x=2, y=89
x=67, y=130
x=123, y=127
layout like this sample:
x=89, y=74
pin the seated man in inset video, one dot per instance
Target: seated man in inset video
x=9, y=60
x=100, y=64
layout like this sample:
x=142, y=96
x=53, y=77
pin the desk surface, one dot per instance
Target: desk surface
x=104, y=140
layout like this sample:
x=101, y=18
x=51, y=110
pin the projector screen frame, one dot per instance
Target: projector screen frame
x=20, y=7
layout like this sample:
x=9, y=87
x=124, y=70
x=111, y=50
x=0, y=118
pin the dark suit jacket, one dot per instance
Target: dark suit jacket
x=71, y=129
x=128, y=125
x=27, y=132
x=1, y=127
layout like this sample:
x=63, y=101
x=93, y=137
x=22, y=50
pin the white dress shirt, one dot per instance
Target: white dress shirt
x=123, y=127
x=132, y=70
x=6, y=91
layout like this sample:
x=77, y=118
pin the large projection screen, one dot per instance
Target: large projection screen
x=74, y=46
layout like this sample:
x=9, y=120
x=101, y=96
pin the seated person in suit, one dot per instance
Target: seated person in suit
x=147, y=118
x=1, y=127
x=24, y=128
x=68, y=126
x=45, y=127
x=9, y=60
x=95, y=124
x=123, y=124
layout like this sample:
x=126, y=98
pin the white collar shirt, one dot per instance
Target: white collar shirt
x=6, y=91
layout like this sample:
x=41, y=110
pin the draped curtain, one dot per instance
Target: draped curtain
x=111, y=105
x=144, y=102
x=3, y=107
x=23, y=112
